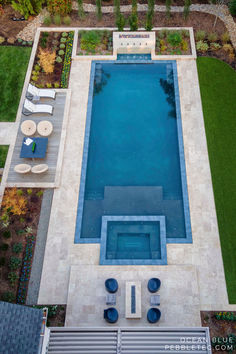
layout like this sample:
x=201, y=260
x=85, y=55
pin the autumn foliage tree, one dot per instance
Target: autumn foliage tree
x=47, y=60
x=14, y=202
x=61, y=7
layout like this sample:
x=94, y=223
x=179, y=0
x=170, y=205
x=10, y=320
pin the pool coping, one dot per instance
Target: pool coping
x=150, y=261
x=78, y=226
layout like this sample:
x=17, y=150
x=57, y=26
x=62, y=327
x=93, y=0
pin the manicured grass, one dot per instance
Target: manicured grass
x=13, y=66
x=3, y=154
x=218, y=88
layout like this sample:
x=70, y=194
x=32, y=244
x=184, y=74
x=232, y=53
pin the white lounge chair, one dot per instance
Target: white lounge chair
x=22, y=168
x=39, y=168
x=34, y=91
x=30, y=108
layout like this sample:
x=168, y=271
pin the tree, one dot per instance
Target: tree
x=187, y=4
x=80, y=9
x=27, y=7
x=99, y=9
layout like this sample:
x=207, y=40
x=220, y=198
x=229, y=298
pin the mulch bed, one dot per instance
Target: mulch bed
x=55, y=320
x=170, y=49
x=17, y=228
x=218, y=328
x=54, y=77
x=9, y=28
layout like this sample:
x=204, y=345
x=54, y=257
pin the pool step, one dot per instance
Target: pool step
x=132, y=201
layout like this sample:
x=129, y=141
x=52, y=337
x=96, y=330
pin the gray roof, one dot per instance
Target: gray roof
x=20, y=328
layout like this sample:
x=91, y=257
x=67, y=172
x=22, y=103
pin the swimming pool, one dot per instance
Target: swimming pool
x=133, y=163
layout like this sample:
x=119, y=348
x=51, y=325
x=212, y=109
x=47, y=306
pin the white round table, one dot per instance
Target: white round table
x=28, y=127
x=45, y=128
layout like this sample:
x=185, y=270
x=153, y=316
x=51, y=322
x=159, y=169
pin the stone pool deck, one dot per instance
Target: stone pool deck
x=194, y=278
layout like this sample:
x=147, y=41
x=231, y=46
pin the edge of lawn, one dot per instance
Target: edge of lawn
x=217, y=82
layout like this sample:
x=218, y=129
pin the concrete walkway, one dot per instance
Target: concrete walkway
x=7, y=133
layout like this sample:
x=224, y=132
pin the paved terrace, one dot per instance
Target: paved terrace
x=58, y=120
x=194, y=278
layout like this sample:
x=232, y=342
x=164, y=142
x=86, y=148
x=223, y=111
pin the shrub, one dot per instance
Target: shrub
x=202, y=46
x=4, y=247
x=99, y=9
x=133, y=22
x=64, y=34
x=228, y=48
x=185, y=33
x=37, y=67
x=61, y=52
x=25, y=271
x=212, y=37
x=67, y=63
x=62, y=46
x=67, y=20
x=200, y=35
x=90, y=40
x=80, y=9
x=48, y=85
x=19, y=192
x=8, y=296
x=2, y=39
x=232, y=7
x=148, y=23
x=47, y=20
x=61, y=7
x=27, y=7
x=187, y=4
x=47, y=60
x=12, y=276
x=56, y=84
x=215, y=46
x=120, y=22
x=14, y=263
x=39, y=193
x=174, y=39
x=58, y=59
x=7, y=234
x=2, y=261
x=15, y=203
x=57, y=19
x=63, y=40
x=225, y=37
x=34, y=78
x=17, y=247
x=29, y=191
x=168, y=6
x=184, y=45
x=161, y=34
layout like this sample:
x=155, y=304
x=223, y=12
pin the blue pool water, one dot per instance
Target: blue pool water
x=133, y=164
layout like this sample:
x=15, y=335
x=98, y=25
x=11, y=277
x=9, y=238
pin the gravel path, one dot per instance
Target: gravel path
x=28, y=33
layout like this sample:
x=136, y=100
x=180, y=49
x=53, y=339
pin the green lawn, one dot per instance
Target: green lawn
x=218, y=92
x=13, y=66
x=3, y=154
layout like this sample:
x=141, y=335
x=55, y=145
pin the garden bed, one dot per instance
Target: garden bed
x=213, y=45
x=53, y=60
x=173, y=42
x=95, y=42
x=221, y=325
x=19, y=217
x=56, y=314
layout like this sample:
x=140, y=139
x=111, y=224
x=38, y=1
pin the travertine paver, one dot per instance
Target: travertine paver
x=179, y=298
x=7, y=133
x=65, y=262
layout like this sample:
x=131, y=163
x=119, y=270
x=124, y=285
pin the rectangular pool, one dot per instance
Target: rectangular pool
x=133, y=163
